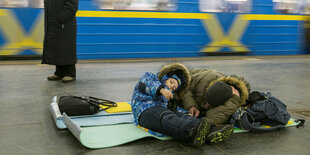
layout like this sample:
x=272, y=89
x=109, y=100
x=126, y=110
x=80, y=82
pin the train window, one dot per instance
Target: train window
x=21, y=3
x=161, y=5
x=232, y=6
x=14, y=3
x=36, y=3
x=307, y=7
x=290, y=6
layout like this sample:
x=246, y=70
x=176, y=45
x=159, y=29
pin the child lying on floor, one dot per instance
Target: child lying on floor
x=150, y=106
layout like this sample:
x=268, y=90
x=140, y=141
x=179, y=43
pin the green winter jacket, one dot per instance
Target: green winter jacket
x=201, y=79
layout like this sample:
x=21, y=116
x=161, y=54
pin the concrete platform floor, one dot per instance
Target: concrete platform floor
x=27, y=127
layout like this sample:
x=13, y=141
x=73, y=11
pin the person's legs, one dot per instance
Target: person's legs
x=58, y=74
x=69, y=73
x=66, y=73
x=175, y=124
x=163, y=120
x=59, y=71
x=178, y=124
x=69, y=70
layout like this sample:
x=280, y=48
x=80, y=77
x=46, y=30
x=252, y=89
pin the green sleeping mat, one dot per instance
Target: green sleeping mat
x=290, y=123
x=95, y=137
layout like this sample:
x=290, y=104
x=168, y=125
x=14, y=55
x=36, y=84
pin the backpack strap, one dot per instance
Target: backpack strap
x=244, y=123
x=263, y=129
x=98, y=101
x=103, y=102
x=86, y=98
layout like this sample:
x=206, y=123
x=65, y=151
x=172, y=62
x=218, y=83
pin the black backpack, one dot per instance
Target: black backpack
x=261, y=109
x=82, y=105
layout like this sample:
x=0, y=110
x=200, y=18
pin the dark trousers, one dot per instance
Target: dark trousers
x=163, y=120
x=65, y=70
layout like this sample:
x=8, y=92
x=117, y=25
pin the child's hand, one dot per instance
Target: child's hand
x=167, y=94
x=193, y=111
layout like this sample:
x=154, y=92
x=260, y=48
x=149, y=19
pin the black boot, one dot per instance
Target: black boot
x=199, y=132
x=219, y=134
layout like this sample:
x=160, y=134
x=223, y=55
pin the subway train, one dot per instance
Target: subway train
x=122, y=29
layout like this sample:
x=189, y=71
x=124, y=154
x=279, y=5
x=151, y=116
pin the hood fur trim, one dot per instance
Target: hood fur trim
x=173, y=67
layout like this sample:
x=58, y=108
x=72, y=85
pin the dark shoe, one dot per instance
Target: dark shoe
x=199, y=132
x=67, y=79
x=53, y=78
x=219, y=134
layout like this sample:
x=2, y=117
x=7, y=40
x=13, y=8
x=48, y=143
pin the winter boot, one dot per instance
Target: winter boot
x=219, y=134
x=199, y=132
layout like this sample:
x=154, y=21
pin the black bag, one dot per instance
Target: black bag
x=82, y=105
x=263, y=109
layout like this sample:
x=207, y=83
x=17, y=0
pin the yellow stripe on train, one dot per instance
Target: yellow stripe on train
x=127, y=14
x=119, y=14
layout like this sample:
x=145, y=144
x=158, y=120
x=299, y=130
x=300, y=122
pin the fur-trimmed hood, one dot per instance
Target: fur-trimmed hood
x=176, y=67
x=239, y=83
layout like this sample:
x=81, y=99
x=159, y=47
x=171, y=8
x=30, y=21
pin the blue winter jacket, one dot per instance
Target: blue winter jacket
x=146, y=94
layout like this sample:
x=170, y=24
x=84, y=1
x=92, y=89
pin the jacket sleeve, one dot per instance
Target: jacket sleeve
x=68, y=13
x=220, y=115
x=188, y=100
x=149, y=84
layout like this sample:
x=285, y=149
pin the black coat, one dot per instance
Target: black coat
x=59, y=47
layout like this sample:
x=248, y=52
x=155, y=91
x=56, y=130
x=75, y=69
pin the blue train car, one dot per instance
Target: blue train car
x=109, y=29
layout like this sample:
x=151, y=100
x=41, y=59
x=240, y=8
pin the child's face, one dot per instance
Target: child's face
x=172, y=84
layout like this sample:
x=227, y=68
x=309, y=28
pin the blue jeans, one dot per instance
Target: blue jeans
x=163, y=120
